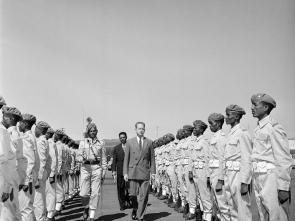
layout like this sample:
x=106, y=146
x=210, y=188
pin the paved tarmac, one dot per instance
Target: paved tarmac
x=157, y=210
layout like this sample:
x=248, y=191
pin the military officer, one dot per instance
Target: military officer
x=216, y=163
x=93, y=157
x=26, y=195
x=51, y=181
x=272, y=162
x=237, y=171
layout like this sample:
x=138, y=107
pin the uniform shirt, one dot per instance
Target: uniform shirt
x=93, y=150
x=21, y=161
x=30, y=155
x=270, y=144
x=53, y=155
x=7, y=161
x=37, y=159
x=199, y=154
x=43, y=152
x=186, y=152
x=60, y=155
x=73, y=160
x=238, y=148
x=216, y=152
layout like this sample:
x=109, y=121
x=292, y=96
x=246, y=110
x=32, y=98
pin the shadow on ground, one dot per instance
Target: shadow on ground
x=155, y=216
x=112, y=217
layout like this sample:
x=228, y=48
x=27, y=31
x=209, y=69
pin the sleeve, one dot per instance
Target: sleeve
x=126, y=159
x=103, y=158
x=282, y=156
x=29, y=153
x=245, y=164
x=53, y=160
x=4, y=180
x=221, y=143
x=206, y=149
x=59, y=159
x=153, y=163
x=114, y=163
x=43, y=158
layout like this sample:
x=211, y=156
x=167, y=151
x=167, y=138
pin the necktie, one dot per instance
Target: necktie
x=140, y=144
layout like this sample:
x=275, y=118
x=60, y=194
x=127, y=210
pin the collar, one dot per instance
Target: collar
x=234, y=129
x=94, y=141
x=200, y=137
x=264, y=121
x=11, y=129
x=123, y=145
x=137, y=137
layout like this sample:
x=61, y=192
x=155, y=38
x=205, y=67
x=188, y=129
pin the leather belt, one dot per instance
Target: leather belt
x=92, y=162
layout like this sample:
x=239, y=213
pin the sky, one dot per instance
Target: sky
x=166, y=62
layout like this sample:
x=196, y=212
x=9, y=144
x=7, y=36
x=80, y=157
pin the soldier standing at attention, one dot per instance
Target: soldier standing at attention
x=272, y=162
x=51, y=181
x=216, y=162
x=43, y=152
x=238, y=168
x=26, y=195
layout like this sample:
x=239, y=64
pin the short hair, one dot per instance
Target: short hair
x=270, y=107
x=139, y=122
x=123, y=133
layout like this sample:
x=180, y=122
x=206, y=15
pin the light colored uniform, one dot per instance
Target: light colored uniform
x=8, y=175
x=51, y=188
x=59, y=184
x=72, y=172
x=171, y=169
x=66, y=163
x=178, y=170
x=91, y=174
x=272, y=167
x=186, y=156
x=216, y=164
x=40, y=198
x=26, y=199
x=238, y=170
x=21, y=163
x=198, y=164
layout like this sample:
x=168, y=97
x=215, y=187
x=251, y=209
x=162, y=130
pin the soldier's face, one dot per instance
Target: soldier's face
x=123, y=138
x=230, y=118
x=21, y=126
x=214, y=126
x=258, y=109
x=92, y=133
x=197, y=130
x=140, y=129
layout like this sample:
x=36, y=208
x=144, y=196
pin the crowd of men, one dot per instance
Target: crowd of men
x=212, y=179
x=38, y=168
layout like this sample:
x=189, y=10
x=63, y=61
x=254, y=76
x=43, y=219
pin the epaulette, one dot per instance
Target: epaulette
x=274, y=122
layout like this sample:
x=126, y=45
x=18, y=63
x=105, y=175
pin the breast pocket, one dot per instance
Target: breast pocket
x=233, y=146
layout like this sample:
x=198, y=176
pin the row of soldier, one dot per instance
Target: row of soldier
x=39, y=171
x=212, y=179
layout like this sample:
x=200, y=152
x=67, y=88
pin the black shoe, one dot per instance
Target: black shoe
x=122, y=208
x=86, y=213
x=133, y=215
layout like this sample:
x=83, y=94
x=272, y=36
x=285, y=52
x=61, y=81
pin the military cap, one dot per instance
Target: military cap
x=2, y=100
x=90, y=126
x=260, y=97
x=29, y=117
x=200, y=124
x=42, y=124
x=216, y=117
x=13, y=111
x=235, y=108
x=50, y=130
x=188, y=127
x=59, y=132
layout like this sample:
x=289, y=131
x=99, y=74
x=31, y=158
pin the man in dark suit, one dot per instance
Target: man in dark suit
x=139, y=163
x=117, y=169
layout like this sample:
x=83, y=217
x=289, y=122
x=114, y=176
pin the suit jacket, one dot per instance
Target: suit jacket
x=139, y=164
x=118, y=160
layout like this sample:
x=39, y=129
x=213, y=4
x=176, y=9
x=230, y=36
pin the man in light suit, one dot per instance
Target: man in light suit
x=139, y=163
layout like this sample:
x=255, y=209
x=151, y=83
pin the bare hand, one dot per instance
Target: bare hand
x=126, y=177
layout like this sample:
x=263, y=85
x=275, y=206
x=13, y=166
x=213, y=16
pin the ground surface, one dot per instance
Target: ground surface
x=157, y=210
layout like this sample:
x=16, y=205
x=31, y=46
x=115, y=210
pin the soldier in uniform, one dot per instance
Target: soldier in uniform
x=92, y=154
x=43, y=153
x=216, y=163
x=26, y=195
x=237, y=171
x=58, y=135
x=72, y=156
x=186, y=154
x=65, y=179
x=51, y=181
x=11, y=116
x=272, y=162
x=199, y=174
